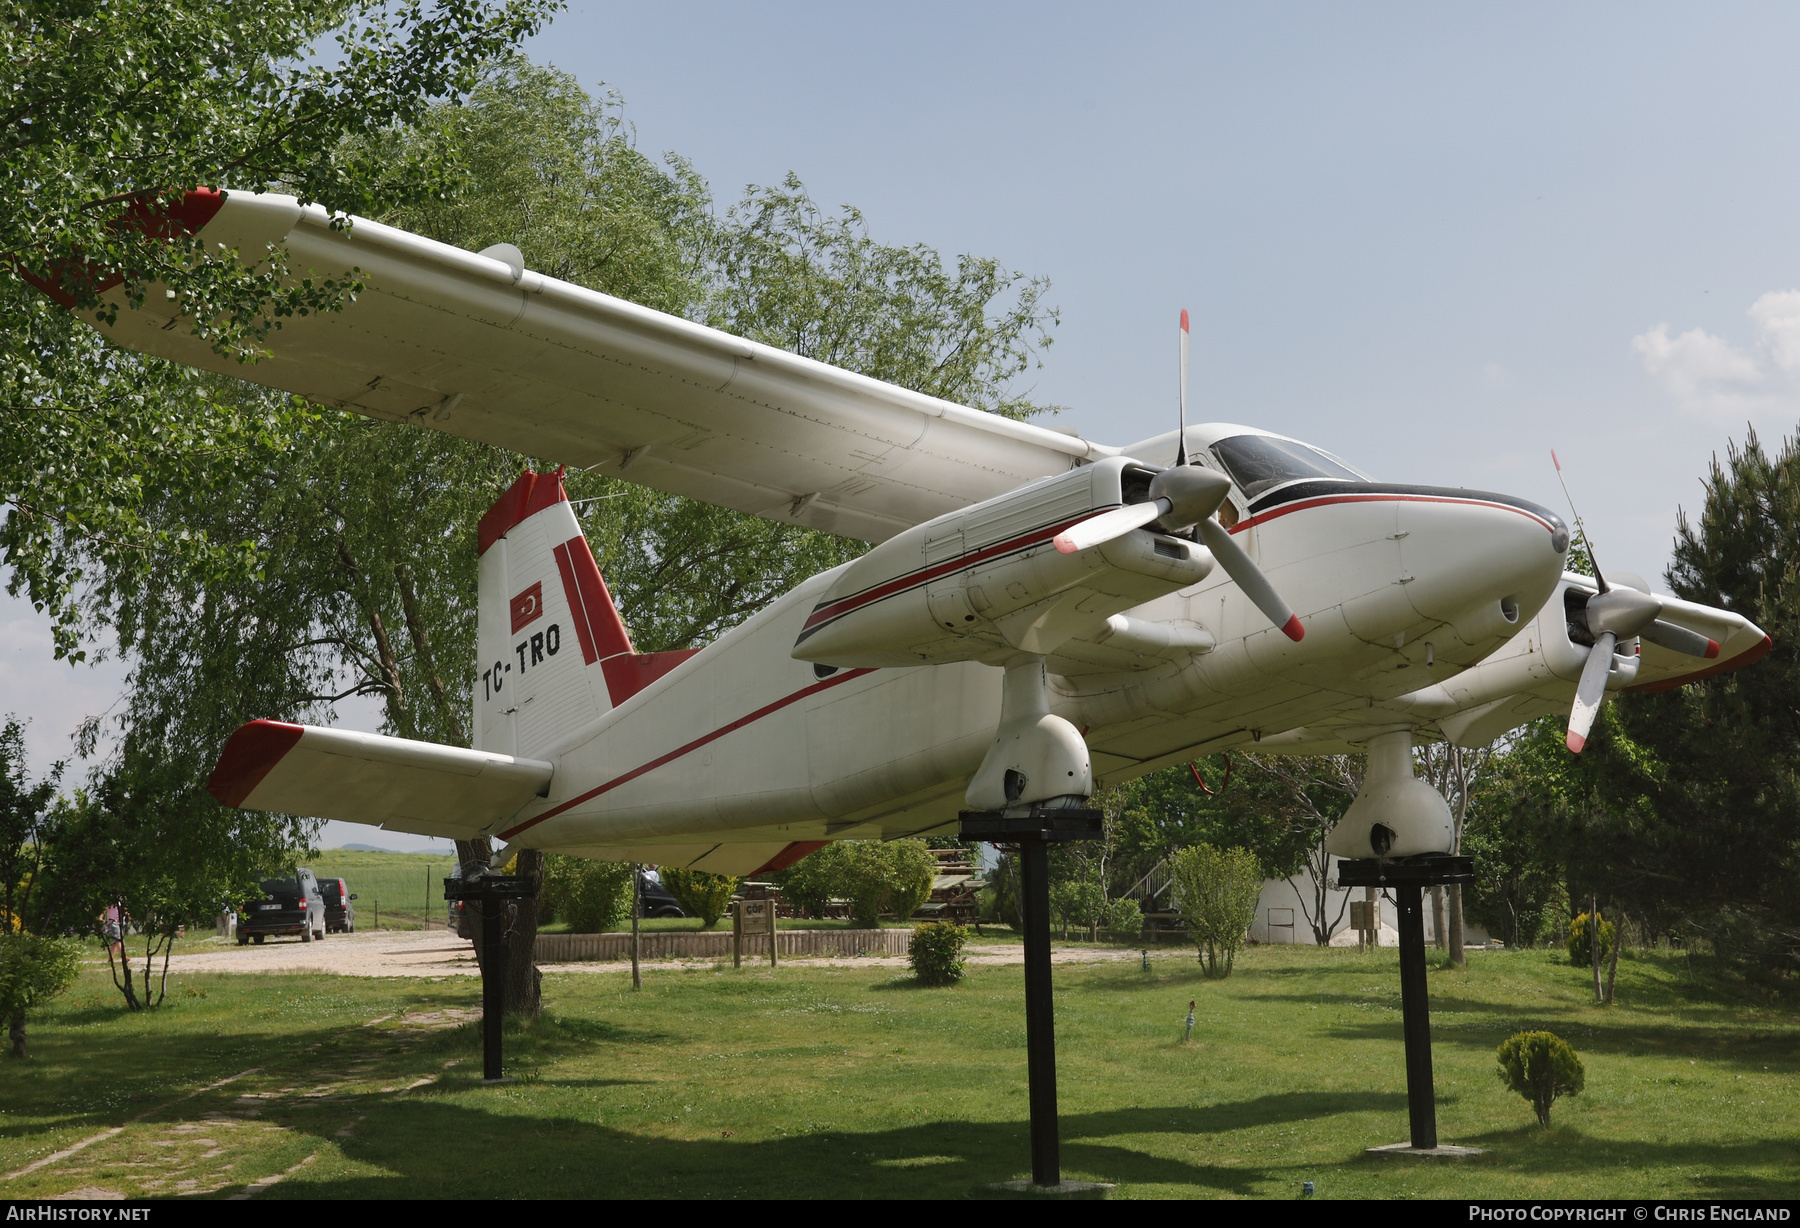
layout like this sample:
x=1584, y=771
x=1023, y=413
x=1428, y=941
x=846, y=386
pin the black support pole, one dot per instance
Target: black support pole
x=1415, y=1008
x=493, y=985
x=1040, y=1023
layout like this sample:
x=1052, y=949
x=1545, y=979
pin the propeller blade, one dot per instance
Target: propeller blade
x=1181, y=439
x=1591, y=690
x=1096, y=530
x=1666, y=634
x=1249, y=577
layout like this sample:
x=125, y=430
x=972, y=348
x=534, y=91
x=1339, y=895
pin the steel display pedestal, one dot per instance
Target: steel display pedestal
x=1032, y=829
x=491, y=891
x=1409, y=876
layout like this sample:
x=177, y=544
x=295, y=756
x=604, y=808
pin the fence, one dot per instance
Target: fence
x=570, y=948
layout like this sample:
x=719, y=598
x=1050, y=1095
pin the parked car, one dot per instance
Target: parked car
x=654, y=898
x=340, y=913
x=291, y=904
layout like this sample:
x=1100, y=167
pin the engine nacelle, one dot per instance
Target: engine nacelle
x=986, y=581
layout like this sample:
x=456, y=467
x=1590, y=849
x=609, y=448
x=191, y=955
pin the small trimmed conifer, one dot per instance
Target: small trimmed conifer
x=936, y=952
x=1540, y=1066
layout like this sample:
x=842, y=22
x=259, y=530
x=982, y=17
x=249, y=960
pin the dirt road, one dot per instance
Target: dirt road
x=438, y=953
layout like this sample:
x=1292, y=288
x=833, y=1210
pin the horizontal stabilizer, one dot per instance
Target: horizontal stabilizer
x=395, y=783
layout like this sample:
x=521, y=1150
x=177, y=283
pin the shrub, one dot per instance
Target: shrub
x=877, y=877
x=1077, y=905
x=1123, y=920
x=1581, y=940
x=936, y=952
x=592, y=896
x=700, y=894
x=32, y=971
x=811, y=883
x=1540, y=1066
x=1216, y=890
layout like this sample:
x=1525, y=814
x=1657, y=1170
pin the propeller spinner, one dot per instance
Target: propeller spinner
x=1187, y=496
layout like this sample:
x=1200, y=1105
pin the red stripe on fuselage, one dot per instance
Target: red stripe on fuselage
x=688, y=748
x=1327, y=500
x=925, y=575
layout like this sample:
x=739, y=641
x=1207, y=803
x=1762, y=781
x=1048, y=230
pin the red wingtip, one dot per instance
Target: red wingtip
x=1712, y=649
x=1576, y=742
x=1293, y=630
x=248, y=756
x=1184, y=323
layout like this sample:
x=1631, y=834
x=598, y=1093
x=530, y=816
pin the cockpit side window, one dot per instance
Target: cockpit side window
x=1257, y=463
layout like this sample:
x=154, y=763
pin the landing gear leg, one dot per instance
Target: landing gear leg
x=1031, y=789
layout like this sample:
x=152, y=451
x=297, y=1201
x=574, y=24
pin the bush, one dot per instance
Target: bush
x=1216, y=890
x=32, y=971
x=592, y=896
x=700, y=894
x=1581, y=940
x=877, y=877
x=1540, y=1066
x=936, y=952
x=1123, y=920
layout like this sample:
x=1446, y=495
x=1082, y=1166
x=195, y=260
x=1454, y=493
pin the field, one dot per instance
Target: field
x=852, y=1082
x=404, y=888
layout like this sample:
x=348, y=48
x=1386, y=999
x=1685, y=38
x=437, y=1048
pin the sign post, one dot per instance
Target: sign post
x=492, y=893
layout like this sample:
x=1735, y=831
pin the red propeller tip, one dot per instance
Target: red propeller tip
x=1712, y=649
x=1184, y=323
x=1064, y=545
x=1576, y=742
x=1293, y=630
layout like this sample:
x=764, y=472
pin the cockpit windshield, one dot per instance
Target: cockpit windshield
x=1258, y=462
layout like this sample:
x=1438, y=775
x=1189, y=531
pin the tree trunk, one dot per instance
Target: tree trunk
x=1454, y=904
x=1438, y=937
x=1594, y=943
x=18, y=1032
x=472, y=856
x=524, y=983
x=1612, y=963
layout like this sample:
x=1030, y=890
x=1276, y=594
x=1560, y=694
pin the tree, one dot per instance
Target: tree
x=32, y=971
x=1541, y=1067
x=112, y=114
x=935, y=952
x=700, y=894
x=1216, y=890
x=147, y=840
x=24, y=809
x=592, y=896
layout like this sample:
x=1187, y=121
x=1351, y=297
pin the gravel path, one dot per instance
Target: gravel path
x=438, y=953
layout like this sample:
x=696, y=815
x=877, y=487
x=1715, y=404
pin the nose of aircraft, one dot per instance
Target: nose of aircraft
x=1484, y=563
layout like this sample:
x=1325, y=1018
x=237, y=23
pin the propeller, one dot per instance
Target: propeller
x=1616, y=613
x=1182, y=497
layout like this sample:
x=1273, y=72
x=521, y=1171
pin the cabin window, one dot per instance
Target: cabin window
x=1258, y=462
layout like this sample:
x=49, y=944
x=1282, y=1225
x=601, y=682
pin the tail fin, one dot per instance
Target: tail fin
x=553, y=653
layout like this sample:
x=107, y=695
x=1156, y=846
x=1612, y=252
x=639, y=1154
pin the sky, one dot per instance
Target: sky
x=1437, y=240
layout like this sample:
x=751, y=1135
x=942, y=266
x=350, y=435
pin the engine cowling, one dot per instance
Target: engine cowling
x=986, y=582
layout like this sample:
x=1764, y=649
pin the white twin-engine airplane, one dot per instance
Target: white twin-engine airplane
x=1039, y=614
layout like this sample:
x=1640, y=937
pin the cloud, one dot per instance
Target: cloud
x=1710, y=376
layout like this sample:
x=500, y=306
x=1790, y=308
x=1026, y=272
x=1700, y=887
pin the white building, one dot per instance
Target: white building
x=1282, y=914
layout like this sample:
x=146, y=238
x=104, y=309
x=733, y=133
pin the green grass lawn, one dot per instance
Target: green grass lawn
x=817, y=1082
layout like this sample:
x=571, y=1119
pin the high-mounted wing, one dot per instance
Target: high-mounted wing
x=482, y=347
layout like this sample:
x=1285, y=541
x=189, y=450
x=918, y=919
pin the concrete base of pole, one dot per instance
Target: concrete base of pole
x=1062, y=1189
x=1443, y=1151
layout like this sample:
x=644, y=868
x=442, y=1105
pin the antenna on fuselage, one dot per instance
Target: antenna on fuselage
x=1585, y=539
x=1181, y=439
